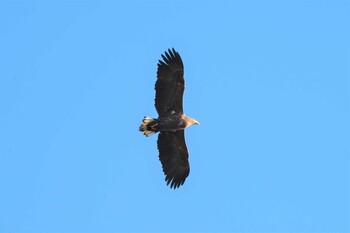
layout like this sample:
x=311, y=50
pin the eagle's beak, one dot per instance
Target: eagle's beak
x=197, y=123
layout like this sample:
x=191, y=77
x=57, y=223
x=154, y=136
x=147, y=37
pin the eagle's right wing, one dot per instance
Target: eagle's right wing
x=170, y=84
x=173, y=155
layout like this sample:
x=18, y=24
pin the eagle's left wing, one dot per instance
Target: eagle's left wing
x=173, y=155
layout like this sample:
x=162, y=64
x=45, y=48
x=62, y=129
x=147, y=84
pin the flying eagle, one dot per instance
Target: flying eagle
x=172, y=120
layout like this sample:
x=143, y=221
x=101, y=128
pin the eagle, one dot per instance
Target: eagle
x=171, y=121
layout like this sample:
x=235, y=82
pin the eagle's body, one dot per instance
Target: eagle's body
x=172, y=121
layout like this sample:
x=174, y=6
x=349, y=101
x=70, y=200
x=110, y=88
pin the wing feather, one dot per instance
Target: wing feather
x=170, y=84
x=173, y=155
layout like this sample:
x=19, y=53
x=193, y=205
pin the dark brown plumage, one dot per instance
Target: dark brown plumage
x=172, y=121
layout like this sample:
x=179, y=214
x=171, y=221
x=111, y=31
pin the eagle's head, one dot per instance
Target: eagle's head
x=190, y=121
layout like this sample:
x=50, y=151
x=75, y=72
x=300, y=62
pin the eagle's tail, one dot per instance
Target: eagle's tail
x=148, y=126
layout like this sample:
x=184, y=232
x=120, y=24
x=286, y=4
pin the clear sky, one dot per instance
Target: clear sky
x=267, y=80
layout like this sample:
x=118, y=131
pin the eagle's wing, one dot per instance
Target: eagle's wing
x=170, y=84
x=173, y=155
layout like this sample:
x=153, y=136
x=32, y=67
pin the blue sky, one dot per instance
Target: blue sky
x=267, y=80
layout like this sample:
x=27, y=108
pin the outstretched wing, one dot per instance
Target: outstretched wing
x=173, y=155
x=170, y=84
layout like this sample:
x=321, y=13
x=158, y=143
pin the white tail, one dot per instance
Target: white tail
x=143, y=127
